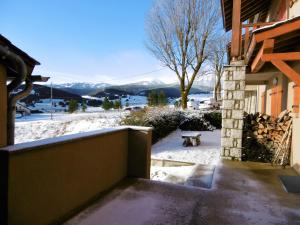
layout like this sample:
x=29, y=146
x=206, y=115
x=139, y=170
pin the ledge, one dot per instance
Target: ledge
x=34, y=145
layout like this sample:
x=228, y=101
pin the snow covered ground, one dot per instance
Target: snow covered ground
x=170, y=148
x=206, y=153
x=40, y=126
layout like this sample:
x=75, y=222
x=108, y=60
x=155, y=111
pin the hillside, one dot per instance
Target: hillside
x=44, y=92
x=112, y=93
x=138, y=88
x=170, y=92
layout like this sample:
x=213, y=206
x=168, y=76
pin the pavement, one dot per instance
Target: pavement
x=241, y=193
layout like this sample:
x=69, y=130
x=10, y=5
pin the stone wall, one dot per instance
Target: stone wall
x=233, y=110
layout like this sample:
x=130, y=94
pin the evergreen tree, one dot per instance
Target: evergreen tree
x=153, y=98
x=73, y=106
x=83, y=106
x=106, y=105
x=117, y=104
x=162, y=99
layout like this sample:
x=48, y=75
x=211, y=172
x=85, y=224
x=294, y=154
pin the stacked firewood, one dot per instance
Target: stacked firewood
x=274, y=134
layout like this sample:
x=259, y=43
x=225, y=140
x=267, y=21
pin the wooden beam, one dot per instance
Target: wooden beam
x=250, y=49
x=236, y=29
x=277, y=31
x=287, y=70
x=288, y=56
x=256, y=82
x=246, y=42
x=258, y=63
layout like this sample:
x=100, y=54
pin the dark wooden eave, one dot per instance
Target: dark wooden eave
x=249, y=8
x=27, y=59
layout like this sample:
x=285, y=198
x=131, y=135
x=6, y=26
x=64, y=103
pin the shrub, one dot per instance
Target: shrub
x=214, y=118
x=106, y=105
x=135, y=118
x=162, y=121
x=195, y=123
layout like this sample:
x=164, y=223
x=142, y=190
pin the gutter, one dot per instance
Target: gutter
x=13, y=98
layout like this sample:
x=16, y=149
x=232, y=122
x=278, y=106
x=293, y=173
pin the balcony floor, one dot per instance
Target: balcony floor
x=242, y=193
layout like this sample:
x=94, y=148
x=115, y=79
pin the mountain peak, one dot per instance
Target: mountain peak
x=82, y=85
x=153, y=82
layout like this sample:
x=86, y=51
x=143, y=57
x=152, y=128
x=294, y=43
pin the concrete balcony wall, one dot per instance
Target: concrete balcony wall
x=45, y=182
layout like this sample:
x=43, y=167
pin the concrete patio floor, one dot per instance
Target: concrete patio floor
x=242, y=193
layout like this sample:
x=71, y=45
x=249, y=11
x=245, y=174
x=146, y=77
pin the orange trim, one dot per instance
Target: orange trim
x=263, y=102
x=247, y=38
x=277, y=31
x=276, y=100
x=258, y=63
x=250, y=49
x=296, y=99
x=287, y=70
x=288, y=56
x=236, y=29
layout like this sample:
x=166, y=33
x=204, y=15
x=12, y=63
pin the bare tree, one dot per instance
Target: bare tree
x=217, y=59
x=179, y=32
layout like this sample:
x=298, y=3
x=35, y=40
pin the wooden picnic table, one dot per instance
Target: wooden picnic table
x=191, y=138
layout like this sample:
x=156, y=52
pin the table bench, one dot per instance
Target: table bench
x=191, y=138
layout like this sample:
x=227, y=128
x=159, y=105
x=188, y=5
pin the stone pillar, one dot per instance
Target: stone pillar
x=3, y=107
x=233, y=110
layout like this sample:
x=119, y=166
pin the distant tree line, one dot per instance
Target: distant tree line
x=106, y=105
x=156, y=98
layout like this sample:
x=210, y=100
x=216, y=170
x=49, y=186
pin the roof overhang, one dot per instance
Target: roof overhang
x=285, y=34
x=27, y=59
x=249, y=8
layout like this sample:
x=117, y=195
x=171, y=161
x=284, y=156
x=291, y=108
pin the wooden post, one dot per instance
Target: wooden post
x=3, y=107
x=247, y=38
x=236, y=30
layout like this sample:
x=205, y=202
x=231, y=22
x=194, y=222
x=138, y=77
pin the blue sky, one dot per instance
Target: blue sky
x=83, y=40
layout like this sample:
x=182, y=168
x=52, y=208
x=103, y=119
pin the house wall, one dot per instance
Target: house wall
x=290, y=95
x=278, y=10
x=283, y=86
x=295, y=9
x=45, y=182
x=295, y=154
x=261, y=98
x=251, y=99
x=3, y=107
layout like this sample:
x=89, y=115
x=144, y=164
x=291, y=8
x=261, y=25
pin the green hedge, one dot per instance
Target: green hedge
x=164, y=121
x=214, y=118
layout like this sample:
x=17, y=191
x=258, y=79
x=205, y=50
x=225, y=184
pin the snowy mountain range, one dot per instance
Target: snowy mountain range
x=96, y=89
x=82, y=85
x=87, y=85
